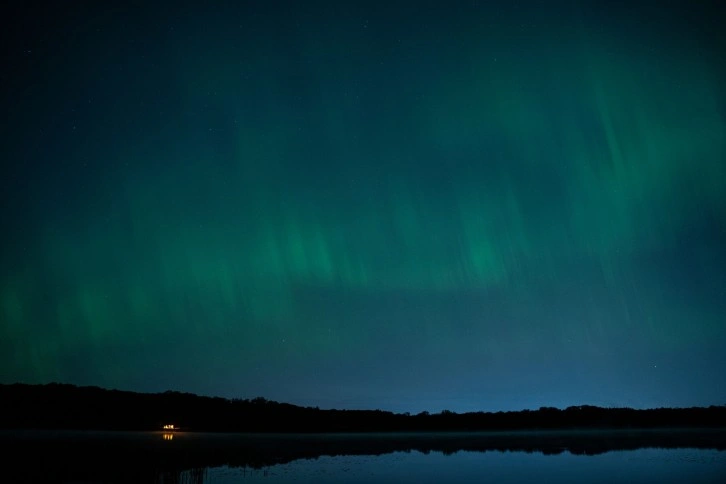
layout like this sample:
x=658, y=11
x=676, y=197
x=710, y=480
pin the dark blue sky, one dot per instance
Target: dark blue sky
x=397, y=205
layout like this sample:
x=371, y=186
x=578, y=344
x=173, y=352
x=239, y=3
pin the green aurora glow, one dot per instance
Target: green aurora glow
x=318, y=207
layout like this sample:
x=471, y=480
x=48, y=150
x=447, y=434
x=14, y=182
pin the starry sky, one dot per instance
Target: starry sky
x=464, y=205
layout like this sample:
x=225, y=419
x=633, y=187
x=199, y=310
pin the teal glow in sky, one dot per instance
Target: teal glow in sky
x=368, y=205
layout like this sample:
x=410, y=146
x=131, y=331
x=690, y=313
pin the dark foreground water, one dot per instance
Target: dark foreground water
x=691, y=456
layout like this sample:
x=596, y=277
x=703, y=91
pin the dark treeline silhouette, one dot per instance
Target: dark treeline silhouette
x=60, y=406
x=72, y=456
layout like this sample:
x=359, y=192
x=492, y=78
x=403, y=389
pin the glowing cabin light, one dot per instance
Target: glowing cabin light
x=169, y=427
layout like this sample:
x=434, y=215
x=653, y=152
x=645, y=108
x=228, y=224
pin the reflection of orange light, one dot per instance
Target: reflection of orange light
x=168, y=436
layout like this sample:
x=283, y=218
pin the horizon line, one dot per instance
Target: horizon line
x=443, y=411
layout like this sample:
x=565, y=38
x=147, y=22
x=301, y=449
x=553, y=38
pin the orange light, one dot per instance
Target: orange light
x=168, y=436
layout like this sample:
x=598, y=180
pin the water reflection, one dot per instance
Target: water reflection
x=189, y=476
x=185, y=457
x=638, y=466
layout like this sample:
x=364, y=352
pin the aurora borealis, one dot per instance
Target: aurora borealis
x=408, y=206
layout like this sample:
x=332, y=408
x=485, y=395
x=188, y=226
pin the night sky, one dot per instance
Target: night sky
x=410, y=206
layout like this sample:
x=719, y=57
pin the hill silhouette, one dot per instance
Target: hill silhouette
x=63, y=406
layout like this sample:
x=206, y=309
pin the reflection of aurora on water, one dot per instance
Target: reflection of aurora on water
x=134, y=457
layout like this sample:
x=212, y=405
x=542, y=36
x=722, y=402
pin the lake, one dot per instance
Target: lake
x=694, y=456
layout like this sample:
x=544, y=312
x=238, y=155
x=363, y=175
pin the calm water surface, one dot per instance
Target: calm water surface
x=693, y=457
x=644, y=465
